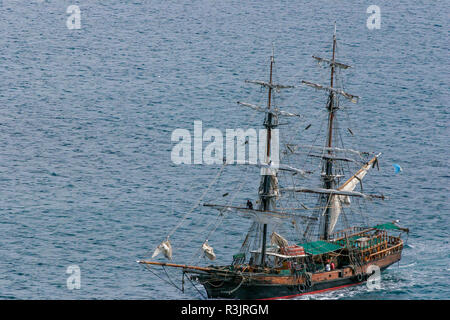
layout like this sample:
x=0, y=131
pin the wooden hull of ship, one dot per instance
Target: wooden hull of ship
x=286, y=287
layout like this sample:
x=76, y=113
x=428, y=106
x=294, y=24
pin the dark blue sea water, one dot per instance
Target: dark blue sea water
x=86, y=118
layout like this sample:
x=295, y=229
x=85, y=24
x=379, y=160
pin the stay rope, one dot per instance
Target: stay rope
x=198, y=201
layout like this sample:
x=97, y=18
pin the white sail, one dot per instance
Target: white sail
x=208, y=250
x=165, y=248
x=274, y=187
x=338, y=201
x=277, y=239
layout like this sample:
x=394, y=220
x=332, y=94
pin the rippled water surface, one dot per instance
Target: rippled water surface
x=86, y=118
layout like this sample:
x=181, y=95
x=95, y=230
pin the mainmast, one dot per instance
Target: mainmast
x=329, y=178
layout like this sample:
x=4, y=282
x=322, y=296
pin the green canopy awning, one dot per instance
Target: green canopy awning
x=319, y=247
x=387, y=226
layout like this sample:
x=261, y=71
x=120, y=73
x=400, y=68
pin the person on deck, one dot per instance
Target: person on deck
x=249, y=205
x=332, y=265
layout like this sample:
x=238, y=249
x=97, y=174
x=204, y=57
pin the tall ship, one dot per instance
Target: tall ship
x=293, y=246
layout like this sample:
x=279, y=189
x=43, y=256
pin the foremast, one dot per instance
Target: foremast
x=267, y=181
x=267, y=184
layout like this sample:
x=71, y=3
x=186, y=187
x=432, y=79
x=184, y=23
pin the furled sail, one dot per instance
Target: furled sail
x=274, y=187
x=208, y=250
x=271, y=168
x=264, y=217
x=269, y=84
x=334, y=149
x=333, y=192
x=276, y=112
x=349, y=96
x=165, y=248
x=332, y=63
x=277, y=239
x=338, y=201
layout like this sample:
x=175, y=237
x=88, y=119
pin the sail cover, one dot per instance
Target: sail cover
x=338, y=201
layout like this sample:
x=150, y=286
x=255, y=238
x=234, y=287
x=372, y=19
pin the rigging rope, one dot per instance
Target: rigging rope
x=221, y=216
x=199, y=200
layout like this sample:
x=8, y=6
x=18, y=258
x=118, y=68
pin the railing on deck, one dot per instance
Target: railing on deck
x=375, y=247
x=350, y=232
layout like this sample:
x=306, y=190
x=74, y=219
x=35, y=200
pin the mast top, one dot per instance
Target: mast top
x=273, y=53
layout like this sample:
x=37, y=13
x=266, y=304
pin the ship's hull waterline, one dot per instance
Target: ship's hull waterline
x=277, y=287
